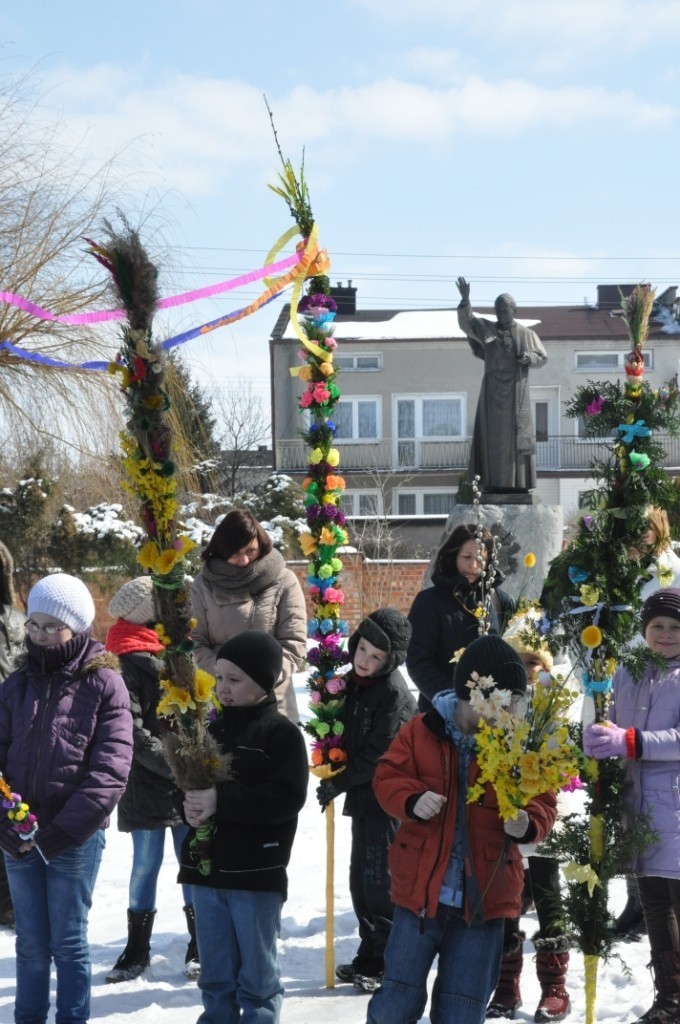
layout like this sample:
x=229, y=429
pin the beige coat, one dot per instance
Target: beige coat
x=279, y=609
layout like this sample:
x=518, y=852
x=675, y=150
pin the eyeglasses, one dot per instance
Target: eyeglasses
x=51, y=629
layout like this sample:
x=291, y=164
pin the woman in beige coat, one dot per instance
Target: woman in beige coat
x=245, y=584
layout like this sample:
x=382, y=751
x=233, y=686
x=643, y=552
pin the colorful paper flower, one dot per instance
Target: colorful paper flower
x=591, y=637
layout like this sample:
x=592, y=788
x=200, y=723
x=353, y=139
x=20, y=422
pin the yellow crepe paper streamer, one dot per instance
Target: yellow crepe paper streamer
x=574, y=872
x=591, y=963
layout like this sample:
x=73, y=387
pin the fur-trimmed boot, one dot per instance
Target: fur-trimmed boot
x=506, y=999
x=192, y=963
x=666, y=1006
x=552, y=961
x=135, y=958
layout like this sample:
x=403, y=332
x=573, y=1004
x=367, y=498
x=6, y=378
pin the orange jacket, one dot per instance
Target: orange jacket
x=421, y=758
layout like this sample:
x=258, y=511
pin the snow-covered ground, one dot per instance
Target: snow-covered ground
x=164, y=993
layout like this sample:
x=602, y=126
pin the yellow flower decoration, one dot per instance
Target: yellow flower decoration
x=456, y=656
x=530, y=560
x=574, y=872
x=148, y=555
x=591, y=637
x=478, y=612
x=175, y=697
x=327, y=537
x=590, y=595
x=316, y=456
x=166, y=561
x=305, y=373
x=204, y=684
x=326, y=369
x=308, y=544
x=333, y=457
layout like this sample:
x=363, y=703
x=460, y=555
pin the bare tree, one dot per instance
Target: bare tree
x=244, y=431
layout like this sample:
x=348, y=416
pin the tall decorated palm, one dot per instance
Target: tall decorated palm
x=592, y=602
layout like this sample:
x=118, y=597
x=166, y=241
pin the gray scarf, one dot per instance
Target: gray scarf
x=226, y=580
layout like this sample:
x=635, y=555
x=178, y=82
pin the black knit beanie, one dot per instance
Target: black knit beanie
x=388, y=630
x=490, y=656
x=662, y=602
x=258, y=654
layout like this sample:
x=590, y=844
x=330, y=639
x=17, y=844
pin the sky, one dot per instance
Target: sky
x=530, y=147
x=162, y=992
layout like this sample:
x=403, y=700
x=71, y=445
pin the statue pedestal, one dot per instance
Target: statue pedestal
x=520, y=528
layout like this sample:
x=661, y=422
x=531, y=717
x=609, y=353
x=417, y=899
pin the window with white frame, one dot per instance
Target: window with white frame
x=362, y=503
x=432, y=416
x=357, y=419
x=581, y=431
x=425, y=501
x=359, y=361
x=607, y=361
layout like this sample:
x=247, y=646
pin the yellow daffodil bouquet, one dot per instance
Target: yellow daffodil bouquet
x=522, y=756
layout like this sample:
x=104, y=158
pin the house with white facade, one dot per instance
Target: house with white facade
x=409, y=387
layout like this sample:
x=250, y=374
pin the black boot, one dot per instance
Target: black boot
x=135, y=957
x=666, y=1006
x=630, y=923
x=192, y=963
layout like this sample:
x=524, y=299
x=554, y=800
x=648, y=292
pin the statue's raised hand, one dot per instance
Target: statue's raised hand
x=463, y=288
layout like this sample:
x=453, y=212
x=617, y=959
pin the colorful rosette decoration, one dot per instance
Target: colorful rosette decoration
x=591, y=600
x=24, y=822
x=149, y=469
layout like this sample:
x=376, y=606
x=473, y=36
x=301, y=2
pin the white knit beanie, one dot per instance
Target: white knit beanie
x=65, y=598
x=134, y=602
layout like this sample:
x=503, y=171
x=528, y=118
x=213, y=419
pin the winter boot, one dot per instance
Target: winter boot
x=666, y=1006
x=361, y=965
x=506, y=999
x=192, y=963
x=552, y=961
x=135, y=957
x=630, y=923
x=370, y=977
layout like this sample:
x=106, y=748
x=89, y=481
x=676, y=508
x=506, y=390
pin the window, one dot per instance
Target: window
x=425, y=502
x=362, y=503
x=357, y=419
x=581, y=431
x=607, y=362
x=363, y=361
x=421, y=419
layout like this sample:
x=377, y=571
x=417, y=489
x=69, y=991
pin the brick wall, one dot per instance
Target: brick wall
x=368, y=585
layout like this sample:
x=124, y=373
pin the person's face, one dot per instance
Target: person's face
x=467, y=719
x=234, y=688
x=645, y=545
x=505, y=314
x=663, y=636
x=46, y=631
x=368, y=659
x=532, y=664
x=470, y=560
x=246, y=555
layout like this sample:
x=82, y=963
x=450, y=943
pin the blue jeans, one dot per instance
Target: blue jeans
x=147, y=858
x=467, y=972
x=240, y=978
x=52, y=902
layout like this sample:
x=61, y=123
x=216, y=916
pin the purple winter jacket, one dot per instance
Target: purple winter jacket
x=65, y=741
x=652, y=705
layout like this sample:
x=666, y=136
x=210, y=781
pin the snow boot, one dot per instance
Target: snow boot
x=630, y=924
x=666, y=1006
x=506, y=999
x=192, y=963
x=135, y=957
x=552, y=962
x=366, y=966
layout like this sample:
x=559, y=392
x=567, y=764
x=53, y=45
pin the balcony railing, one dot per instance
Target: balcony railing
x=564, y=452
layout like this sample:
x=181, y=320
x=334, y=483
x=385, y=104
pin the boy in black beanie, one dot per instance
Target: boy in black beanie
x=378, y=704
x=455, y=867
x=254, y=817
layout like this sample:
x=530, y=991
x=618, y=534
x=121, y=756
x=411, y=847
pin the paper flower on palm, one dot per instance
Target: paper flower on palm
x=591, y=637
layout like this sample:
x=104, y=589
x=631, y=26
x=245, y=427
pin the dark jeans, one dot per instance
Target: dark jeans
x=369, y=881
x=660, y=899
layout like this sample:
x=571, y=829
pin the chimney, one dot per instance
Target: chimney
x=345, y=296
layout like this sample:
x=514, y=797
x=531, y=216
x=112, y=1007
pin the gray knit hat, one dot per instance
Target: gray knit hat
x=134, y=602
x=388, y=630
x=490, y=656
x=65, y=598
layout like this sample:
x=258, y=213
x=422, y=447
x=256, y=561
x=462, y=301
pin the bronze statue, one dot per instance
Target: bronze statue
x=503, y=442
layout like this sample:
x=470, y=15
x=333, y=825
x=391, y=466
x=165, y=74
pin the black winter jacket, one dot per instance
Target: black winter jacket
x=257, y=809
x=151, y=799
x=373, y=716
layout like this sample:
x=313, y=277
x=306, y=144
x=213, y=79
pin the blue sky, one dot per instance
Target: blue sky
x=530, y=146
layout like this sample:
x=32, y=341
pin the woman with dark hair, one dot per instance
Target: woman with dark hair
x=245, y=584
x=447, y=615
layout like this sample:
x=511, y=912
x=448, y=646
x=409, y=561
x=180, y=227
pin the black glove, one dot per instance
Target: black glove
x=327, y=790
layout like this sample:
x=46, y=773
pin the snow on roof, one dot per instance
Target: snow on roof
x=422, y=323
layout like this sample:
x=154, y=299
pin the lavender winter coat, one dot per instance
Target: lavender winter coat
x=65, y=741
x=653, y=706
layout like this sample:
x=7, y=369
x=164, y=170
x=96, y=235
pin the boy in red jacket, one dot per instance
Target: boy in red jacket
x=456, y=869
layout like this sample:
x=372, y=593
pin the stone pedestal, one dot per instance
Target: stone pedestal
x=521, y=528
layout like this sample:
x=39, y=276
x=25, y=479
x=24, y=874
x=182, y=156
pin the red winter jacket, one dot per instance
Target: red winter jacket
x=421, y=758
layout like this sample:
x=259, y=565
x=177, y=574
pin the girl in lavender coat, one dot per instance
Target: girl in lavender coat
x=66, y=747
x=645, y=729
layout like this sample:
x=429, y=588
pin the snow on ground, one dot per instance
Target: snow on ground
x=163, y=991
